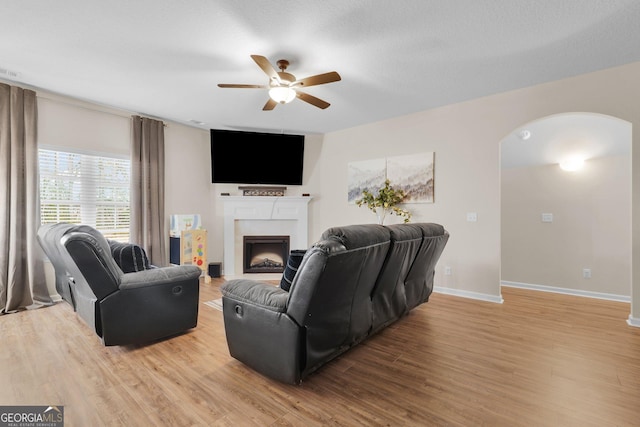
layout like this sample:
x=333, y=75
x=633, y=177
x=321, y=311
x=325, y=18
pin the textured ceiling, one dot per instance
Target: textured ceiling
x=164, y=58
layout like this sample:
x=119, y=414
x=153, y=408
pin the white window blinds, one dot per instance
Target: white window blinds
x=85, y=189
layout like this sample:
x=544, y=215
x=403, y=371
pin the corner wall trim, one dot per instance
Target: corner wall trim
x=633, y=321
x=566, y=291
x=468, y=294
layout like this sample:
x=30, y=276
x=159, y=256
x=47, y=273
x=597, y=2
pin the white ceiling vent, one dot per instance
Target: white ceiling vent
x=9, y=74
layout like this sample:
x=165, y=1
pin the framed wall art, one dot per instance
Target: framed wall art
x=365, y=175
x=413, y=173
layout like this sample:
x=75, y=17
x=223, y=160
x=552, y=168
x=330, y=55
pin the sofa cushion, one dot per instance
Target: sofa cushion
x=260, y=294
x=129, y=257
x=290, y=270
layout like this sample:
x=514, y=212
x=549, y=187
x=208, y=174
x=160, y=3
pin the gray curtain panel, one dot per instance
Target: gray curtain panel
x=147, y=188
x=22, y=279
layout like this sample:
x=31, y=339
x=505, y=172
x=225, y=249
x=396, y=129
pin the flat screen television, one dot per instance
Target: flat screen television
x=239, y=157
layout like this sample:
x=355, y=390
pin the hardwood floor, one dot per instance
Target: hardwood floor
x=539, y=359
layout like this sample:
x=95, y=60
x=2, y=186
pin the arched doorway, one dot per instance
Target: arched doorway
x=567, y=231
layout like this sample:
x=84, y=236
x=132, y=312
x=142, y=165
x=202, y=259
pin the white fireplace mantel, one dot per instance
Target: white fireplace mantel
x=259, y=209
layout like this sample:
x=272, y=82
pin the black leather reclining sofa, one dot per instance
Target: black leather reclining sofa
x=352, y=283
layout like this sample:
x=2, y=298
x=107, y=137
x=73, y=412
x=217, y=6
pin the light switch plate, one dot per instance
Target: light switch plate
x=547, y=217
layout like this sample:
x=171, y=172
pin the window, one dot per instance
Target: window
x=85, y=189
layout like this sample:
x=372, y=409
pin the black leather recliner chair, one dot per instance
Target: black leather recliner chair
x=122, y=308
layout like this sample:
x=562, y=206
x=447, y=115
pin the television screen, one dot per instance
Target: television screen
x=239, y=157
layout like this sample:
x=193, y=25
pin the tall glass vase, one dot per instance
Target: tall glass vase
x=381, y=214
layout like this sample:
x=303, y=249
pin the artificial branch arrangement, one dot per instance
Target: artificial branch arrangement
x=385, y=202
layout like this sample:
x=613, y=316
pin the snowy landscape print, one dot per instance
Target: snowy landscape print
x=413, y=174
x=365, y=175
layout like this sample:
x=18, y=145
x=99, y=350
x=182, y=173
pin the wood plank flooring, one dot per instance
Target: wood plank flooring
x=539, y=359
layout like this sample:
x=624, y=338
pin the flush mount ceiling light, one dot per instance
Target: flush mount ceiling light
x=572, y=164
x=524, y=134
x=284, y=87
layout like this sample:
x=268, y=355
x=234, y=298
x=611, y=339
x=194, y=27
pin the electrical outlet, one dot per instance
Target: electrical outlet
x=447, y=271
x=586, y=273
x=547, y=217
x=472, y=216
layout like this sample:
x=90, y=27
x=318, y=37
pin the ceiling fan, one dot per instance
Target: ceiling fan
x=284, y=87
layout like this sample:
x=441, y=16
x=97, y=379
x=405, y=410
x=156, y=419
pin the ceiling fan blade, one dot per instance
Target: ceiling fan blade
x=312, y=100
x=270, y=105
x=318, y=79
x=266, y=67
x=242, y=86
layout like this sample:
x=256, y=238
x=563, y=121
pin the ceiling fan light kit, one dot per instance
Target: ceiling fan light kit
x=282, y=94
x=284, y=87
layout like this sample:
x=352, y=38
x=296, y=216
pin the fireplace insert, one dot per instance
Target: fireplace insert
x=265, y=254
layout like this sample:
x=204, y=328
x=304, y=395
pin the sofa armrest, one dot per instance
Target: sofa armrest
x=259, y=332
x=262, y=294
x=158, y=276
x=150, y=305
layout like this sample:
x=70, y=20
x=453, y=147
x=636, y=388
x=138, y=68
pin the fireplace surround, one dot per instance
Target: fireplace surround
x=261, y=215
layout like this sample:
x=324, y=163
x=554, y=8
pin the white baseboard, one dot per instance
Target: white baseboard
x=633, y=321
x=468, y=294
x=566, y=291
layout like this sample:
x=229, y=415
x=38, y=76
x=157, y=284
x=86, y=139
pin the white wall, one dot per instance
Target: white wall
x=466, y=180
x=465, y=138
x=591, y=226
x=67, y=123
x=188, y=179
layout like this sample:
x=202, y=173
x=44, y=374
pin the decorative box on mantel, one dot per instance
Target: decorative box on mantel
x=266, y=214
x=263, y=191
